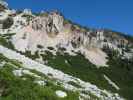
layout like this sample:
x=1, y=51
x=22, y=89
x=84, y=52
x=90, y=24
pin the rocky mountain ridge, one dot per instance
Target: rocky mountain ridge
x=51, y=29
x=73, y=52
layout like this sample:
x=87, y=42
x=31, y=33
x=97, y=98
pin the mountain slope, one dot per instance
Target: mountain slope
x=55, y=74
x=90, y=63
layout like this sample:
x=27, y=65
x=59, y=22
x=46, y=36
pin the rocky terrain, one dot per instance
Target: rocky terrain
x=92, y=64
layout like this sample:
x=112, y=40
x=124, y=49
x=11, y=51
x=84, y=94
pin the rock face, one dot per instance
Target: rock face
x=52, y=30
x=51, y=24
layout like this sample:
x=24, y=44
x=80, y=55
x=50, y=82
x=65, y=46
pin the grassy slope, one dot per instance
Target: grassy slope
x=119, y=71
x=14, y=88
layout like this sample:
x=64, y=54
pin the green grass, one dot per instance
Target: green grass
x=14, y=88
x=119, y=71
x=79, y=67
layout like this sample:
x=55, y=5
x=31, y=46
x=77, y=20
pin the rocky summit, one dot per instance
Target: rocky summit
x=44, y=56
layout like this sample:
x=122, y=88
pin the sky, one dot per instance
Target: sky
x=111, y=14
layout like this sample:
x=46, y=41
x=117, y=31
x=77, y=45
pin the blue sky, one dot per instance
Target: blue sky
x=112, y=14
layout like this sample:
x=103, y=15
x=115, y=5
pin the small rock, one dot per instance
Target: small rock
x=17, y=72
x=61, y=94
